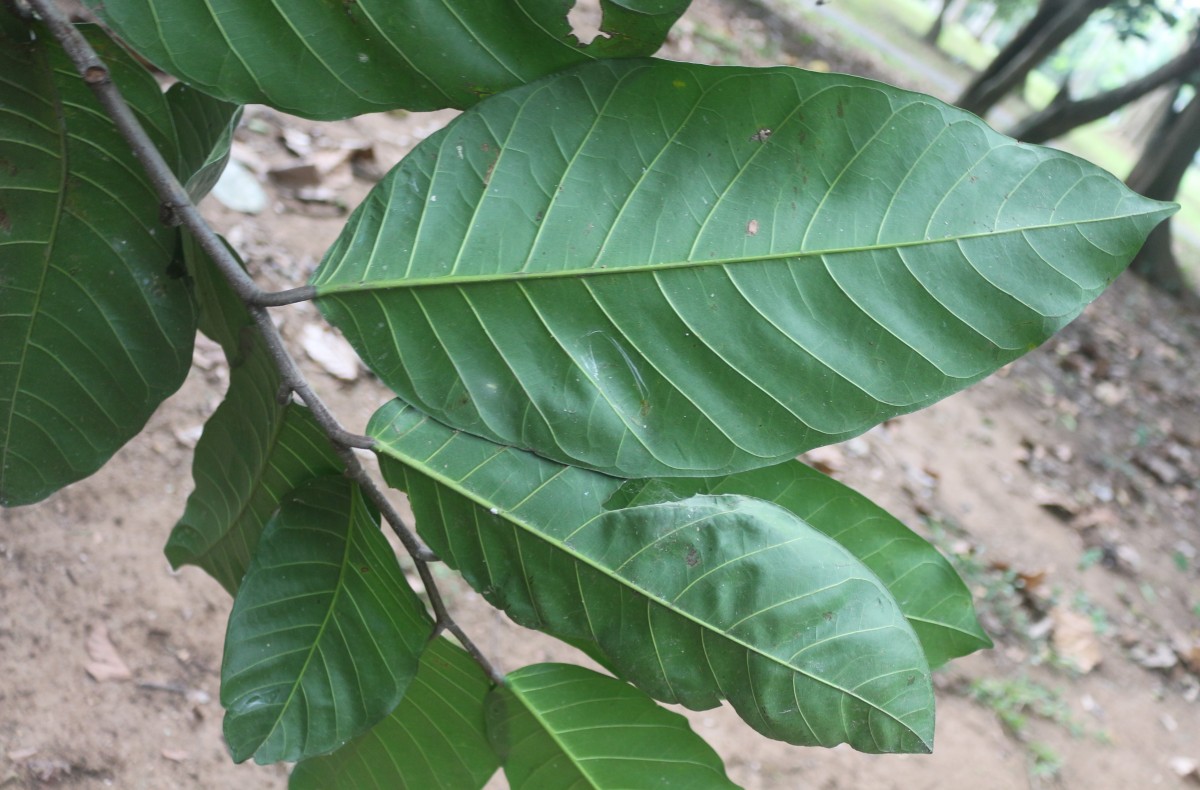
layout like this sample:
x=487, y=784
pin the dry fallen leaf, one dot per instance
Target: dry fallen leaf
x=1110, y=394
x=330, y=351
x=1094, y=517
x=295, y=176
x=106, y=663
x=1185, y=768
x=296, y=141
x=1156, y=656
x=189, y=436
x=828, y=460
x=50, y=770
x=1056, y=504
x=1074, y=639
x=1188, y=651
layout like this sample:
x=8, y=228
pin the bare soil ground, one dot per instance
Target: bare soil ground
x=1065, y=488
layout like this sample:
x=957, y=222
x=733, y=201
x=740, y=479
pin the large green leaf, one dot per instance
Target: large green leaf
x=435, y=739
x=325, y=633
x=560, y=726
x=254, y=449
x=328, y=60
x=95, y=316
x=709, y=597
x=619, y=267
x=925, y=585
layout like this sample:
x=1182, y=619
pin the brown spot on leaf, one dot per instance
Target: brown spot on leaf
x=5, y=222
x=693, y=557
x=841, y=110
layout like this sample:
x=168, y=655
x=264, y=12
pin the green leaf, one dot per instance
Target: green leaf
x=95, y=316
x=925, y=585
x=254, y=448
x=223, y=316
x=252, y=452
x=337, y=59
x=560, y=726
x=204, y=126
x=617, y=267
x=325, y=633
x=435, y=739
x=710, y=597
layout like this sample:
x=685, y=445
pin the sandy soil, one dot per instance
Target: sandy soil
x=1066, y=484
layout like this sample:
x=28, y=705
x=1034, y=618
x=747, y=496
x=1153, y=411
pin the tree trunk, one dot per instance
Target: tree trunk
x=1064, y=114
x=1158, y=174
x=935, y=30
x=1053, y=24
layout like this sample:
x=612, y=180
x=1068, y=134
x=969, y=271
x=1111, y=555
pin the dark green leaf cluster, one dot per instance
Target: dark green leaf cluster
x=615, y=299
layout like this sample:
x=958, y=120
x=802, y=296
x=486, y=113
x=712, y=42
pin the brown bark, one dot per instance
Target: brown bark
x=1158, y=174
x=1053, y=24
x=935, y=30
x=1065, y=114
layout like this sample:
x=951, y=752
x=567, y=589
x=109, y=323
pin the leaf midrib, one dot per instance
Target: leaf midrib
x=525, y=276
x=583, y=772
x=423, y=468
x=338, y=589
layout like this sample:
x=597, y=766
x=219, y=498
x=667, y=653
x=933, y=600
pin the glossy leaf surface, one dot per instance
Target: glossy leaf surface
x=331, y=60
x=925, y=585
x=665, y=269
x=692, y=601
x=435, y=739
x=95, y=317
x=325, y=633
x=560, y=726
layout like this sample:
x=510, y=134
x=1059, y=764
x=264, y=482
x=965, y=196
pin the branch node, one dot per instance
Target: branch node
x=95, y=75
x=168, y=215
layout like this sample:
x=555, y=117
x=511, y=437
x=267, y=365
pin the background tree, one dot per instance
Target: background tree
x=1054, y=22
x=1170, y=151
x=1171, y=147
x=1065, y=113
x=939, y=23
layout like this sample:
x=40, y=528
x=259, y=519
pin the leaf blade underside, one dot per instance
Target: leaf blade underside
x=94, y=309
x=561, y=726
x=927, y=588
x=325, y=633
x=692, y=601
x=436, y=737
x=334, y=60
x=614, y=268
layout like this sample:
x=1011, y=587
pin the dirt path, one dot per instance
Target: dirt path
x=1067, y=485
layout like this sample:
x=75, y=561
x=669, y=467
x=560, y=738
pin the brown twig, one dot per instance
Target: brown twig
x=179, y=208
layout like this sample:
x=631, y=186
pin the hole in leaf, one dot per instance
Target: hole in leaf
x=585, y=18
